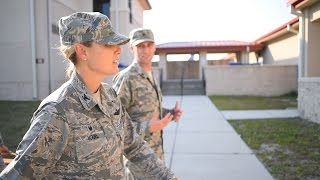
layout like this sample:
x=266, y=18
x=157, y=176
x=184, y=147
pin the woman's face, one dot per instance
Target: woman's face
x=103, y=59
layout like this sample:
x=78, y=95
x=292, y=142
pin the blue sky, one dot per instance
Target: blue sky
x=209, y=20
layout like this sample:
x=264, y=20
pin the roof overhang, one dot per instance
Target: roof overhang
x=301, y=4
x=207, y=46
x=145, y=4
x=294, y=23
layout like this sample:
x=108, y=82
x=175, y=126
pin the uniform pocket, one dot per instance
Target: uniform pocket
x=90, y=145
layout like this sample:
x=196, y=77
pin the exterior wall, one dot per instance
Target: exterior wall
x=124, y=25
x=16, y=72
x=309, y=99
x=119, y=16
x=57, y=64
x=266, y=80
x=283, y=50
x=219, y=62
x=312, y=41
x=189, y=70
x=137, y=22
x=309, y=82
x=157, y=74
x=253, y=58
x=15, y=50
x=245, y=58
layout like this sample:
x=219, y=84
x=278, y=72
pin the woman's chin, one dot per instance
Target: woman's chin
x=115, y=71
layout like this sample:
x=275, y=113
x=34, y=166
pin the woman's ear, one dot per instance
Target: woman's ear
x=80, y=51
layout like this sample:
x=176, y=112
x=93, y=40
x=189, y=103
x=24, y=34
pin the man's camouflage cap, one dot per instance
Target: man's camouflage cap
x=89, y=26
x=140, y=35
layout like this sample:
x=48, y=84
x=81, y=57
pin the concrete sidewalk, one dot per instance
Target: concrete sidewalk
x=204, y=146
x=260, y=114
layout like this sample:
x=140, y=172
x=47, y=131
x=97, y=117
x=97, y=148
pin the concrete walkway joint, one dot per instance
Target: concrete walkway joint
x=204, y=146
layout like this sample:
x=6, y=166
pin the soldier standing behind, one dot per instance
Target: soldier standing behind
x=81, y=131
x=141, y=95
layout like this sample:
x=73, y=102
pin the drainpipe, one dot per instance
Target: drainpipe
x=33, y=50
x=301, y=65
x=49, y=44
x=117, y=14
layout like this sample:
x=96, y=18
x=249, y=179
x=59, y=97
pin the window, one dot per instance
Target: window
x=102, y=6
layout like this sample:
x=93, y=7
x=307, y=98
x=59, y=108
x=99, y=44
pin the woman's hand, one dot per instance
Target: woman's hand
x=4, y=150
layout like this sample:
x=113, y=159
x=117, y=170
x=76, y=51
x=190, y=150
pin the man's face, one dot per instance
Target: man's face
x=144, y=52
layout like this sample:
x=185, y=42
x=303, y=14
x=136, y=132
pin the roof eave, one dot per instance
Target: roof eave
x=213, y=49
x=145, y=4
x=279, y=31
x=301, y=4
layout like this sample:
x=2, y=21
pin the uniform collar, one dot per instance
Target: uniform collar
x=83, y=92
x=85, y=96
x=139, y=69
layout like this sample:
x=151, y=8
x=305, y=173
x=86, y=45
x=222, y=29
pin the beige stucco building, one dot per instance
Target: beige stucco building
x=31, y=67
x=281, y=44
x=308, y=12
x=265, y=67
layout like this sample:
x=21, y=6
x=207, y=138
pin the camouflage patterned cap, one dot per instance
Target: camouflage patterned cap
x=88, y=26
x=140, y=35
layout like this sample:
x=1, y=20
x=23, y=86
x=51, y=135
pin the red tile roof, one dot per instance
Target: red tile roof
x=294, y=2
x=145, y=4
x=228, y=46
x=208, y=46
x=278, y=31
x=300, y=4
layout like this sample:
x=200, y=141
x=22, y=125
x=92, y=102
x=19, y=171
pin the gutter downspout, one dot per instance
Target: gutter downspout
x=49, y=45
x=301, y=64
x=33, y=50
x=117, y=14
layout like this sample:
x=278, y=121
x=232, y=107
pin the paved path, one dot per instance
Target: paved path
x=203, y=146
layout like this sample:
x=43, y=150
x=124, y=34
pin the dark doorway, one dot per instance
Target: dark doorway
x=102, y=6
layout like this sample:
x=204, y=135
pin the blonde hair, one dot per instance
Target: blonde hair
x=69, y=53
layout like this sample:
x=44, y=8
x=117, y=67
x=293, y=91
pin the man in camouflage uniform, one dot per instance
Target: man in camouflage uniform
x=141, y=95
x=75, y=134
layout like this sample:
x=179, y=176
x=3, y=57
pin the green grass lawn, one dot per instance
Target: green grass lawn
x=15, y=119
x=289, y=148
x=254, y=102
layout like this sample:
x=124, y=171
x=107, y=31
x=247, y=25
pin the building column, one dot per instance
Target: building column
x=202, y=63
x=119, y=17
x=244, y=57
x=163, y=65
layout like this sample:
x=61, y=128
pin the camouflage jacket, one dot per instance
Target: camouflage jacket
x=141, y=98
x=72, y=137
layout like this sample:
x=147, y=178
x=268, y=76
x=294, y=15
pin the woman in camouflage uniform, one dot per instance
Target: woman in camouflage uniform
x=81, y=131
